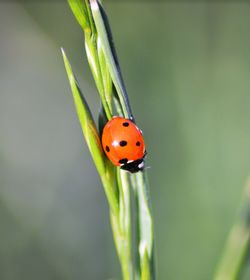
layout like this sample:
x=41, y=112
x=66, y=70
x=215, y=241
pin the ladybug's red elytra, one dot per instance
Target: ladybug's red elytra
x=123, y=144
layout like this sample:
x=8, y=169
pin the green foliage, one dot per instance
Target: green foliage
x=116, y=182
x=106, y=45
x=86, y=120
x=80, y=11
x=237, y=245
x=92, y=138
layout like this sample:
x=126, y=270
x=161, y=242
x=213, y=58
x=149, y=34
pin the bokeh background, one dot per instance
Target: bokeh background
x=186, y=67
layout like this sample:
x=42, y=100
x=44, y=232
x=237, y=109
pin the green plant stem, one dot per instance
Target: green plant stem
x=145, y=244
x=234, y=254
x=122, y=226
x=110, y=192
x=105, y=37
x=92, y=55
x=92, y=138
x=105, y=69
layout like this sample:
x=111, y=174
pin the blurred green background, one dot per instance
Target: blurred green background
x=186, y=67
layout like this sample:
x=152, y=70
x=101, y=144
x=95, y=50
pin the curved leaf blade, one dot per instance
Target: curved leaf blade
x=92, y=138
x=87, y=123
x=105, y=37
x=80, y=12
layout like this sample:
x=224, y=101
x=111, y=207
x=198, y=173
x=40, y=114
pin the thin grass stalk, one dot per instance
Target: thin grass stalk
x=145, y=236
x=145, y=245
x=237, y=245
x=105, y=68
x=125, y=223
x=93, y=140
x=116, y=188
x=105, y=36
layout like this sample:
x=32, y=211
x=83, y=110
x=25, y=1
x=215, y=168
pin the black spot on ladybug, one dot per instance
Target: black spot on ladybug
x=123, y=161
x=107, y=149
x=138, y=143
x=123, y=143
x=126, y=124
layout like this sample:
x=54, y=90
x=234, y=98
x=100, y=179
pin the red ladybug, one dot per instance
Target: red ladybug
x=123, y=144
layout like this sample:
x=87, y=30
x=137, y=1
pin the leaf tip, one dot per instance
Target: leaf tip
x=62, y=50
x=64, y=55
x=94, y=5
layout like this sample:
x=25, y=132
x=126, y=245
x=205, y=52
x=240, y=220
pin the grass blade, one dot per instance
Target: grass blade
x=80, y=12
x=92, y=138
x=237, y=245
x=145, y=226
x=104, y=34
x=105, y=68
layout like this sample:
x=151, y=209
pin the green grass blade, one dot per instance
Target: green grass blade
x=106, y=71
x=106, y=44
x=234, y=254
x=80, y=12
x=145, y=267
x=124, y=222
x=107, y=81
x=96, y=68
x=145, y=225
x=92, y=138
x=237, y=245
x=88, y=126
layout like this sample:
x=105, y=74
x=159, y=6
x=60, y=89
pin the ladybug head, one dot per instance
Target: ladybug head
x=134, y=166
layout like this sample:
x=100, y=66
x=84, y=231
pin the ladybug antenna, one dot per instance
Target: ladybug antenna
x=132, y=118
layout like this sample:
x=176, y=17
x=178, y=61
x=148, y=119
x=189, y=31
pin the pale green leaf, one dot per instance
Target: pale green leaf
x=87, y=123
x=145, y=218
x=145, y=267
x=79, y=9
x=93, y=140
x=105, y=42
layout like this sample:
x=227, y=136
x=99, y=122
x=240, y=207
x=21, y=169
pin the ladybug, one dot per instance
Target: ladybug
x=123, y=144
